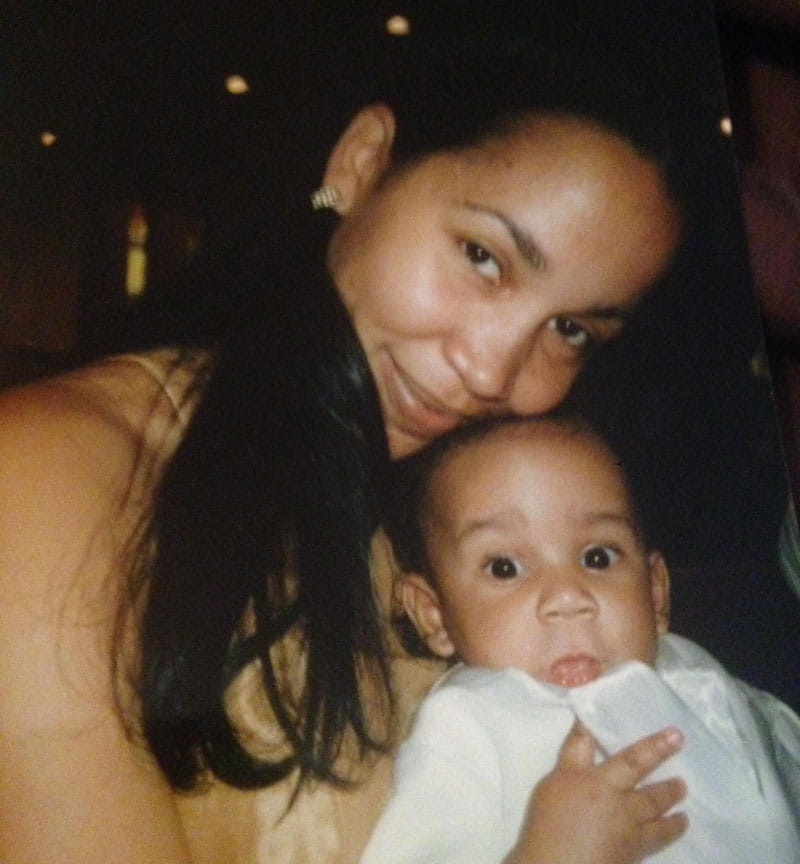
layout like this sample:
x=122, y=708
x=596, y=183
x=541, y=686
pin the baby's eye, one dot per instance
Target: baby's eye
x=483, y=261
x=599, y=557
x=503, y=568
x=570, y=331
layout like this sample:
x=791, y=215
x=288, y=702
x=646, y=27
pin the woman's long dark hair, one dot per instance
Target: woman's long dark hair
x=278, y=474
x=262, y=521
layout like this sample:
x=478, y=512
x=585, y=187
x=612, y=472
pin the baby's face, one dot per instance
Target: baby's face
x=537, y=559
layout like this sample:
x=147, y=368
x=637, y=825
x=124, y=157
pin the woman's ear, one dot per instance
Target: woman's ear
x=421, y=603
x=361, y=156
x=659, y=590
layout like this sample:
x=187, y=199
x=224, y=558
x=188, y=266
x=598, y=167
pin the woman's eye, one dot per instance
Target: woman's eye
x=570, y=331
x=599, y=557
x=484, y=262
x=503, y=568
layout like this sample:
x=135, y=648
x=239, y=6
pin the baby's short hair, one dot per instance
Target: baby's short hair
x=408, y=509
x=409, y=506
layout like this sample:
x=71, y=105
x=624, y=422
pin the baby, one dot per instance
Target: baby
x=525, y=560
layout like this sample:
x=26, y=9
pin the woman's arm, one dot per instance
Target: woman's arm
x=74, y=788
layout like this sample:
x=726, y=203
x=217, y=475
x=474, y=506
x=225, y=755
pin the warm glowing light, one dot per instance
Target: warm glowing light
x=136, y=271
x=726, y=126
x=398, y=25
x=236, y=85
x=48, y=139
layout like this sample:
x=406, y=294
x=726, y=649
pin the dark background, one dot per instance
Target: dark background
x=135, y=94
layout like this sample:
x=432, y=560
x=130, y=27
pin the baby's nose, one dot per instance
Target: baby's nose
x=565, y=598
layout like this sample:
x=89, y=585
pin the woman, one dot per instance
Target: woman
x=185, y=571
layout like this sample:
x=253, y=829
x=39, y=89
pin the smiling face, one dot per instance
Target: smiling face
x=537, y=560
x=479, y=280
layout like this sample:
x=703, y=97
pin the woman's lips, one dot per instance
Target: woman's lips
x=573, y=670
x=412, y=408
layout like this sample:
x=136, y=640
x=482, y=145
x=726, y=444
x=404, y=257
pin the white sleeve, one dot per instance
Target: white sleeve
x=779, y=729
x=446, y=805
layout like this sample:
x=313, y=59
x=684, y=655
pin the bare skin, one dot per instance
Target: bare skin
x=73, y=786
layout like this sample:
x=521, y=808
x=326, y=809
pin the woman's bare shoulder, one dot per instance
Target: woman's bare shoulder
x=70, y=448
x=77, y=453
x=95, y=421
x=122, y=394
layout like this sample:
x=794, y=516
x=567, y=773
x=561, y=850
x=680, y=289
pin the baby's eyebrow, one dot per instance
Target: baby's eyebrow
x=622, y=519
x=526, y=245
x=611, y=313
x=506, y=519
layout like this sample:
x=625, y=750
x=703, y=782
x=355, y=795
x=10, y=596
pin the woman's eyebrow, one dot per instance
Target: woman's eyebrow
x=526, y=246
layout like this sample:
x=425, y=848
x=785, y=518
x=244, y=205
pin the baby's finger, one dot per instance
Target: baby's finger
x=661, y=832
x=577, y=751
x=654, y=800
x=627, y=768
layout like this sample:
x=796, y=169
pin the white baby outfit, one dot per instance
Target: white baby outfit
x=483, y=738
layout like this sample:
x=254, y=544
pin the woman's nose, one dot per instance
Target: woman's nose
x=563, y=597
x=487, y=359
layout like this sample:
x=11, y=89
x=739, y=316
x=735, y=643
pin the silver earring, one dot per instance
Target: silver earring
x=325, y=198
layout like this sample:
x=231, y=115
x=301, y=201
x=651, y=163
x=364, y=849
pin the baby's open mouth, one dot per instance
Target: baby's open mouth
x=573, y=670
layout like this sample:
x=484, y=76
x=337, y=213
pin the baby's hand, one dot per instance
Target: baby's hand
x=582, y=813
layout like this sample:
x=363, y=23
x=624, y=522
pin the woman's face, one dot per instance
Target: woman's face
x=478, y=281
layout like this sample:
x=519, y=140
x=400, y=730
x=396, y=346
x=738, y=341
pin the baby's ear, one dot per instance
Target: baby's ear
x=659, y=590
x=360, y=156
x=421, y=603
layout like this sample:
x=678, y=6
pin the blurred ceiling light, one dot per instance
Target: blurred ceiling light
x=236, y=85
x=398, y=25
x=136, y=271
x=726, y=126
x=48, y=139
